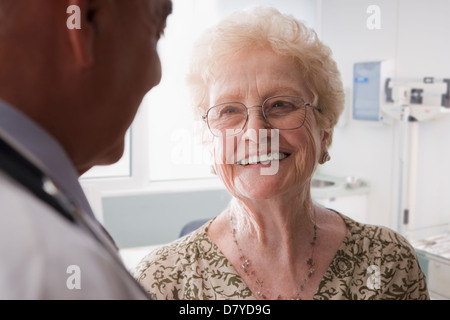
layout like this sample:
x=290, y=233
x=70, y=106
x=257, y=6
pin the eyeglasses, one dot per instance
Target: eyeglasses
x=280, y=112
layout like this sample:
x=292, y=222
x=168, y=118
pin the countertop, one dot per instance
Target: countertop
x=438, y=245
x=342, y=186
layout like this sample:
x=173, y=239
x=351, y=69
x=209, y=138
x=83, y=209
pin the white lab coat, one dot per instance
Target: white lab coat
x=45, y=256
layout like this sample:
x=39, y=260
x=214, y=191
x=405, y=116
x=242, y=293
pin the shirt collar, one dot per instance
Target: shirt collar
x=46, y=149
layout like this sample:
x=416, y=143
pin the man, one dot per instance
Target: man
x=67, y=97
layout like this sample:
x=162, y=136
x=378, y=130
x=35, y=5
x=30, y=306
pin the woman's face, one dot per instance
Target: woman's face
x=251, y=78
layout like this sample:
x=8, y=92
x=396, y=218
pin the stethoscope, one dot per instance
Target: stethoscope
x=27, y=171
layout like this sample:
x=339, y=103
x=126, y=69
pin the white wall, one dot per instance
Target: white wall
x=304, y=10
x=416, y=34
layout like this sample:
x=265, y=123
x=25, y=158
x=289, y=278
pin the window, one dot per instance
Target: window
x=162, y=144
x=175, y=150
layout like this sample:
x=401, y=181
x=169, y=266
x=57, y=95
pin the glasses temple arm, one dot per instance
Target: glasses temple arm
x=313, y=106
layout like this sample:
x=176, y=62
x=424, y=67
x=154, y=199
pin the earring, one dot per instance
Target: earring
x=326, y=157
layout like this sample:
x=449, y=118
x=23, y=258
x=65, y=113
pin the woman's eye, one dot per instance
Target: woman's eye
x=282, y=104
x=228, y=110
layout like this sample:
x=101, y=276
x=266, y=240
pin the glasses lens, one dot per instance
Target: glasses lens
x=227, y=119
x=285, y=112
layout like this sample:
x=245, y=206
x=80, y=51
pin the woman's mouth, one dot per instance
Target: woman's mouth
x=263, y=159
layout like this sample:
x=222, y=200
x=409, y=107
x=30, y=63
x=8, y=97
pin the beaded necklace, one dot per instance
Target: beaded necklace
x=247, y=266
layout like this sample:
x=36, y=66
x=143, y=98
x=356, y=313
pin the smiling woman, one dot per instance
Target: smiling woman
x=264, y=74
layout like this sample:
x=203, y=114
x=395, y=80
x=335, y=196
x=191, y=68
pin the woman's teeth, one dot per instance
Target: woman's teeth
x=263, y=159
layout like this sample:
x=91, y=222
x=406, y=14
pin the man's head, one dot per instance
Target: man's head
x=84, y=85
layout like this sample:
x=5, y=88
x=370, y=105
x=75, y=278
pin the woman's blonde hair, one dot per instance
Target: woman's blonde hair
x=286, y=36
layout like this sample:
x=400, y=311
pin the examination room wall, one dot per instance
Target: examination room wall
x=415, y=33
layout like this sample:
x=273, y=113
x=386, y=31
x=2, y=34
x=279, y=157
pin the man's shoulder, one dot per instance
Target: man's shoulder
x=43, y=253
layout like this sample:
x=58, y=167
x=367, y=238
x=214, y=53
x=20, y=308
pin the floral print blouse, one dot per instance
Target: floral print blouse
x=373, y=262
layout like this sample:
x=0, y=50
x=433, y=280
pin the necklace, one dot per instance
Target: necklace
x=248, y=268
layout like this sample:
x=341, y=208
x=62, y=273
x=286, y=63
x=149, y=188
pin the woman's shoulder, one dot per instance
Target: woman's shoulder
x=381, y=262
x=376, y=238
x=183, y=248
x=191, y=267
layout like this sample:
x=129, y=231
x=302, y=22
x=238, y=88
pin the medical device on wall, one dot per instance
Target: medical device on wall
x=411, y=101
x=424, y=99
x=368, y=89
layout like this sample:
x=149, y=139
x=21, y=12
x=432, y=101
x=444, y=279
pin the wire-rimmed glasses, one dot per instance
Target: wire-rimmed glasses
x=281, y=112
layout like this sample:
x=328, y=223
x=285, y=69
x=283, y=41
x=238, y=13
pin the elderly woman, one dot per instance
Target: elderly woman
x=270, y=94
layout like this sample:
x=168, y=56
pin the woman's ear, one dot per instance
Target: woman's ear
x=326, y=138
x=82, y=26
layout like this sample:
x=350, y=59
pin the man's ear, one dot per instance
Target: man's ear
x=82, y=26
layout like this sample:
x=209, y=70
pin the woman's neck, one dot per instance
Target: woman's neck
x=282, y=222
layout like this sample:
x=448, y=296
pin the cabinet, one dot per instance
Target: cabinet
x=352, y=206
x=434, y=258
x=336, y=193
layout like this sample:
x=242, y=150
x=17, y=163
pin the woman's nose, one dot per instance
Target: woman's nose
x=255, y=123
x=256, y=119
